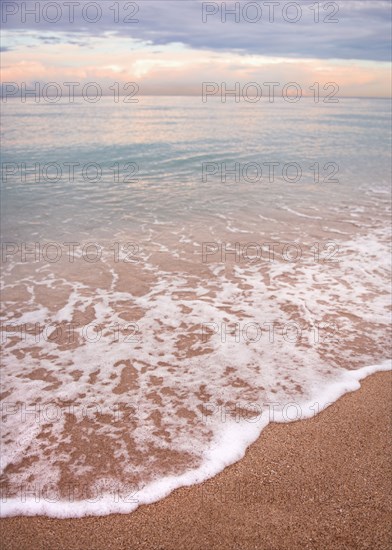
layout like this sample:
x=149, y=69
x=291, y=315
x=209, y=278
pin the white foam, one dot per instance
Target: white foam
x=300, y=214
x=222, y=452
x=172, y=351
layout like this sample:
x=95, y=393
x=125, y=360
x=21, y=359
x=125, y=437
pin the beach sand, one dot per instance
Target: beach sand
x=322, y=483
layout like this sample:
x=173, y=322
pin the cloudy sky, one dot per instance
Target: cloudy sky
x=172, y=46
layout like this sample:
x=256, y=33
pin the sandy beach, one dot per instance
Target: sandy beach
x=323, y=483
x=195, y=251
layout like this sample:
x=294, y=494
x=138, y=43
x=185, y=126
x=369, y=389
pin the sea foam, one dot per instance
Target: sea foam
x=222, y=452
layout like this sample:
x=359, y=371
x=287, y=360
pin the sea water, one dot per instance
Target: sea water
x=175, y=276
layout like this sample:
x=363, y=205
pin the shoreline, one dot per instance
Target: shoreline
x=330, y=488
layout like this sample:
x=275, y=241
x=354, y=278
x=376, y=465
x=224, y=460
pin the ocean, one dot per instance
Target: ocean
x=175, y=276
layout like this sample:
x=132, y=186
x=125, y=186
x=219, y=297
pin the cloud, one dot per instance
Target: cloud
x=183, y=72
x=362, y=30
x=171, y=51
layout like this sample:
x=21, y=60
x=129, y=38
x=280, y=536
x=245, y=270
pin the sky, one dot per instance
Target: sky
x=173, y=46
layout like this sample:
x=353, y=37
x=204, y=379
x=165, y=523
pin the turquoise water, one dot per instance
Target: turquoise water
x=166, y=141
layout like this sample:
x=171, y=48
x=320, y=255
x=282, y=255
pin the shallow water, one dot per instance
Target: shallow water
x=156, y=318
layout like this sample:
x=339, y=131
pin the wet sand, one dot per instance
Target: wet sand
x=323, y=483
